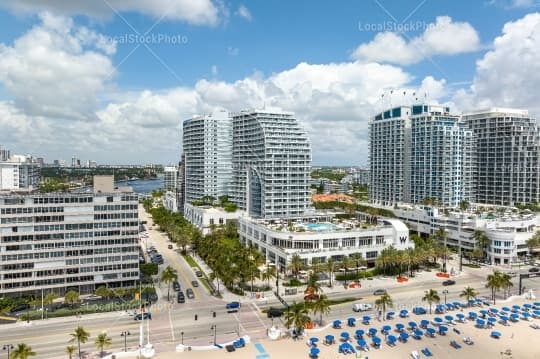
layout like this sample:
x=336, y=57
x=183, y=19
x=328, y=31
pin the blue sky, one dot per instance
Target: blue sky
x=97, y=94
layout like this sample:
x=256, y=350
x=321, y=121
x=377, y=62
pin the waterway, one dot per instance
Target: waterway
x=142, y=186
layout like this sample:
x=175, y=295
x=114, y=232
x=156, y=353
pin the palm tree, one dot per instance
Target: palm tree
x=296, y=265
x=482, y=241
x=330, y=266
x=168, y=276
x=297, y=316
x=103, y=341
x=494, y=283
x=321, y=306
x=49, y=298
x=431, y=296
x=70, y=350
x=384, y=302
x=22, y=351
x=506, y=283
x=469, y=293
x=81, y=336
x=358, y=261
x=268, y=273
x=71, y=297
x=313, y=283
x=345, y=264
x=441, y=236
x=102, y=291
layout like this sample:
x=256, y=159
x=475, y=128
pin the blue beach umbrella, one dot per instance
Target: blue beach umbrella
x=399, y=327
x=431, y=331
x=372, y=331
x=418, y=333
x=504, y=318
x=359, y=333
x=506, y=309
x=492, y=320
x=449, y=318
x=391, y=339
x=345, y=335
x=460, y=316
x=515, y=308
x=412, y=325
x=443, y=329
x=424, y=323
x=361, y=343
x=494, y=310
x=437, y=320
x=314, y=351
x=480, y=322
x=329, y=338
x=514, y=316
x=496, y=334
x=403, y=336
x=313, y=340
x=473, y=315
x=386, y=328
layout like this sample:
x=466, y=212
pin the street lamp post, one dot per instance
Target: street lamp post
x=125, y=335
x=9, y=348
x=445, y=292
x=214, y=328
x=182, y=334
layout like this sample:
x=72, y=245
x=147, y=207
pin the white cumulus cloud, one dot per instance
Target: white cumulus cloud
x=444, y=37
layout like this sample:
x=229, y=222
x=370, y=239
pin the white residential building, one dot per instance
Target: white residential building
x=321, y=237
x=170, y=178
x=207, y=146
x=271, y=164
x=507, y=156
x=60, y=241
x=19, y=173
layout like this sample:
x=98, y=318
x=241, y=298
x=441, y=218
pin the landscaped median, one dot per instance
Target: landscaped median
x=204, y=280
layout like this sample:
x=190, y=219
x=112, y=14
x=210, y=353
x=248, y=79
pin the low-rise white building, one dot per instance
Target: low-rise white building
x=322, y=237
x=204, y=217
x=508, y=232
x=170, y=201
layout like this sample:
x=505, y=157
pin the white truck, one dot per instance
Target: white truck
x=361, y=307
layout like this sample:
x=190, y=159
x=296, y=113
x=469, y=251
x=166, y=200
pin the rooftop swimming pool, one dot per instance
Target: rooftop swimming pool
x=320, y=227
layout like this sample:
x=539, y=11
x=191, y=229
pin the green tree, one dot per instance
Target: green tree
x=494, y=283
x=22, y=351
x=346, y=264
x=441, y=237
x=481, y=240
x=313, y=283
x=103, y=292
x=384, y=302
x=321, y=306
x=296, y=265
x=168, y=276
x=149, y=269
x=330, y=267
x=103, y=341
x=80, y=335
x=464, y=205
x=534, y=242
x=431, y=296
x=468, y=293
x=70, y=350
x=49, y=298
x=506, y=283
x=297, y=316
x=268, y=273
x=71, y=297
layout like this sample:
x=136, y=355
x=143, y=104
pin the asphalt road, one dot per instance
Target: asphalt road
x=174, y=322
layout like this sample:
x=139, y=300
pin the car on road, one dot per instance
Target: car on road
x=274, y=313
x=194, y=283
x=534, y=270
x=512, y=274
x=379, y=292
x=190, y=294
x=198, y=273
x=170, y=246
x=19, y=308
x=232, y=306
x=361, y=307
x=449, y=282
x=141, y=316
x=180, y=298
x=419, y=310
x=176, y=286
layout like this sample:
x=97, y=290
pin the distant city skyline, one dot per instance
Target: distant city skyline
x=131, y=72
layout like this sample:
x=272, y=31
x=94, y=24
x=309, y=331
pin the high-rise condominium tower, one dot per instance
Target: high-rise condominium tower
x=207, y=145
x=507, y=156
x=271, y=164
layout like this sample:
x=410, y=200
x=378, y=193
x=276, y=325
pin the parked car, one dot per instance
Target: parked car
x=194, y=283
x=534, y=270
x=176, y=286
x=274, y=313
x=361, y=307
x=141, y=316
x=170, y=246
x=379, y=292
x=232, y=306
x=449, y=282
x=190, y=294
x=180, y=297
x=419, y=310
x=198, y=274
x=19, y=308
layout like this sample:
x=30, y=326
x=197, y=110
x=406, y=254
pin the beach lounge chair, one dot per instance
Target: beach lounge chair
x=415, y=354
x=468, y=341
x=455, y=344
x=427, y=352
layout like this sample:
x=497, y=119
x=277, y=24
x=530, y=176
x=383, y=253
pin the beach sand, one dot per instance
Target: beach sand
x=518, y=338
